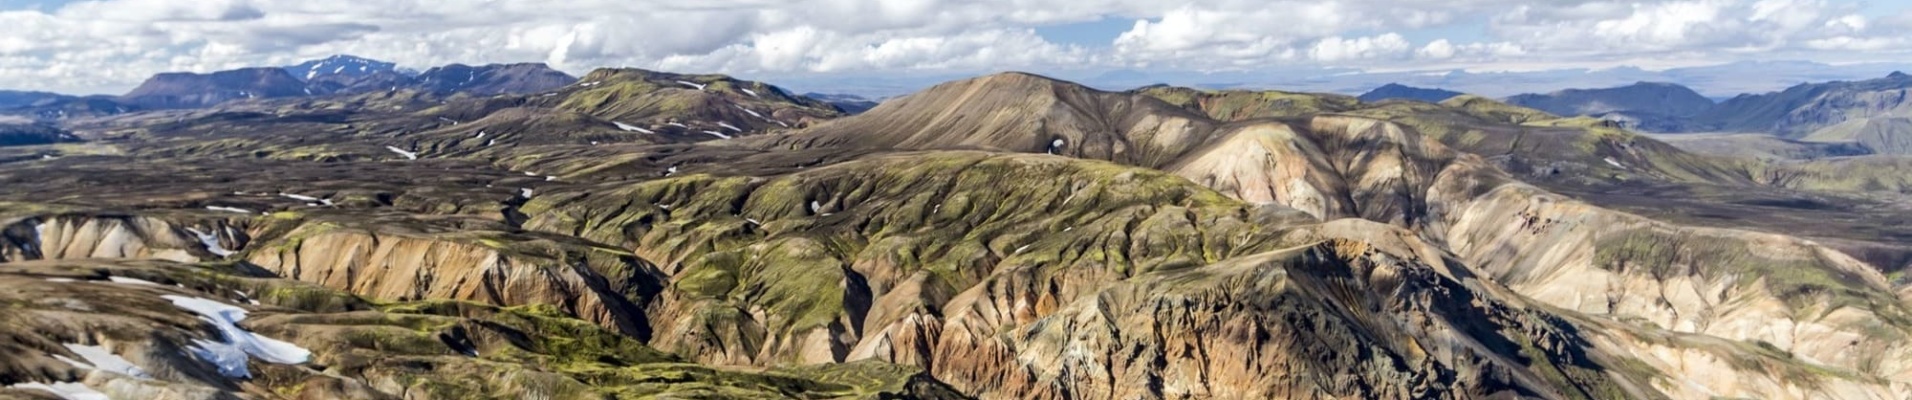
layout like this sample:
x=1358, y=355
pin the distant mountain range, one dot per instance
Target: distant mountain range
x=1873, y=113
x=16, y=98
x=849, y=103
x=335, y=75
x=1395, y=91
x=1658, y=98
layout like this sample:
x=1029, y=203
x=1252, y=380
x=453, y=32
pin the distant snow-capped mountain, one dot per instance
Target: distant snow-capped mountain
x=345, y=66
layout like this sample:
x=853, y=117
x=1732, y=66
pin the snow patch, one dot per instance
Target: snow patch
x=752, y=113
x=548, y=178
x=671, y=171
x=717, y=134
x=631, y=128
x=231, y=352
x=101, y=359
x=694, y=85
x=408, y=154
x=229, y=209
x=1615, y=163
x=524, y=192
x=752, y=93
x=64, y=390
x=131, y=281
x=61, y=280
x=298, y=197
x=481, y=135
x=491, y=142
x=211, y=242
x=677, y=125
x=727, y=125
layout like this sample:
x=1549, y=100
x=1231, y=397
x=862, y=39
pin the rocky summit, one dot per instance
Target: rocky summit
x=507, y=231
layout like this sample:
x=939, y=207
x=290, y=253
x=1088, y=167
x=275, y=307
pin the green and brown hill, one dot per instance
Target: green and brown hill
x=1007, y=236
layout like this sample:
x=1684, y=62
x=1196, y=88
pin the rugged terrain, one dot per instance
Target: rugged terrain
x=1007, y=236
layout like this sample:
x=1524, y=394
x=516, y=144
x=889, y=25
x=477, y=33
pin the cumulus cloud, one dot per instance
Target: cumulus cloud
x=109, y=45
x=1707, y=26
x=1334, y=49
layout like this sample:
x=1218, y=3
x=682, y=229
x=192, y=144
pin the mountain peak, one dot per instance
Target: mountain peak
x=1898, y=75
x=341, y=65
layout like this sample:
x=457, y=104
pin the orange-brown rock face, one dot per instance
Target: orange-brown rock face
x=607, y=289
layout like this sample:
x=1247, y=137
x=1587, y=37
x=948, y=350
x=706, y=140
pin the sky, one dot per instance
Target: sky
x=108, y=46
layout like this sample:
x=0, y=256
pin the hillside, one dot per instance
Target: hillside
x=1801, y=110
x=1003, y=236
x=1640, y=98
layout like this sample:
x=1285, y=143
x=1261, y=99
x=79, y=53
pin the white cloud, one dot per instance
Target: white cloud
x=1335, y=49
x=110, y=45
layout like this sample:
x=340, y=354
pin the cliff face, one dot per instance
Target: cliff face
x=594, y=284
x=117, y=329
x=135, y=237
x=1793, y=295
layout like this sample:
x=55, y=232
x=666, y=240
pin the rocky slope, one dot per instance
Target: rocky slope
x=1009, y=236
x=127, y=329
x=1800, y=110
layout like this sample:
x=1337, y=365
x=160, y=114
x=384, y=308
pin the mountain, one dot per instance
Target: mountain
x=1644, y=97
x=1808, y=109
x=708, y=106
x=350, y=74
x=1403, y=92
x=342, y=66
x=849, y=103
x=493, y=79
x=1003, y=236
x=16, y=98
x=193, y=90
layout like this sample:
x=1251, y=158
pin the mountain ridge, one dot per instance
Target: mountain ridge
x=1002, y=236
